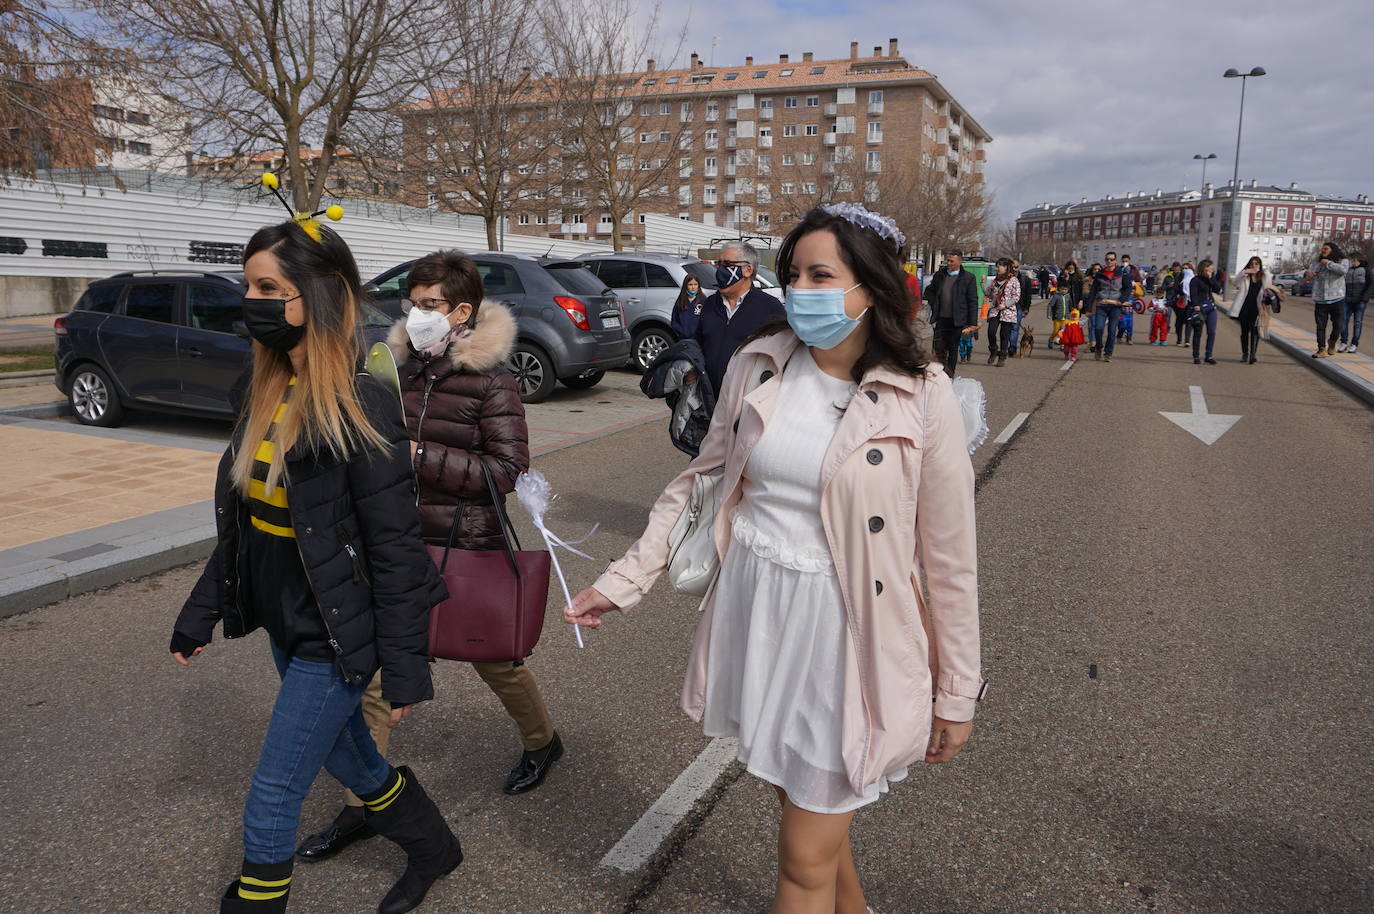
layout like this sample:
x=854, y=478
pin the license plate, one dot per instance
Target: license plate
x=611, y=323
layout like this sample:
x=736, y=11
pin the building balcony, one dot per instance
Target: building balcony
x=827, y=168
x=829, y=139
x=874, y=139
x=875, y=107
x=711, y=144
x=573, y=228
x=730, y=170
x=710, y=173
x=731, y=142
x=765, y=114
x=831, y=109
x=732, y=113
x=765, y=142
x=712, y=115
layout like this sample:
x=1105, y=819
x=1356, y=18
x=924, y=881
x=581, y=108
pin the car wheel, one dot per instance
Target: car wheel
x=533, y=370
x=648, y=343
x=93, y=399
x=583, y=381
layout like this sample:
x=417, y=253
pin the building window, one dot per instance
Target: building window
x=107, y=112
x=788, y=188
x=813, y=101
x=789, y=130
x=766, y=103
x=875, y=161
x=787, y=72
x=708, y=195
x=789, y=159
x=686, y=111
x=765, y=164
x=764, y=221
x=817, y=71
x=808, y=187
x=606, y=219
x=140, y=149
x=579, y=219
x=813, y=130
x=790, y=101
x=524, y=219
x=875, y=129
x=876, y=96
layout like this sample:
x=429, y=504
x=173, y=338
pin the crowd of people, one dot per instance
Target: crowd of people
x=816, y=634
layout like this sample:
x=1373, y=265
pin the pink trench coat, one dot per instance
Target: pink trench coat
x=897, y=502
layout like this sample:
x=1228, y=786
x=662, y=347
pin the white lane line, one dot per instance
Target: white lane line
x=639, y=843
x=1068, y=363
x=1011, y=428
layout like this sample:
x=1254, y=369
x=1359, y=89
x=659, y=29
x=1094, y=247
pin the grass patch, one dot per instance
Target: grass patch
x=30, y=358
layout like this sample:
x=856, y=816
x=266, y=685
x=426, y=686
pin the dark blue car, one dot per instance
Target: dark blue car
x=170, y=341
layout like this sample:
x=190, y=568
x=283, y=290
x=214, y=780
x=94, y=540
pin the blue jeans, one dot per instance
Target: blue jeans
x=1105, y=320
x=1209, y=316
x=317, y=723
x=1354, y=315
x=1015, y=331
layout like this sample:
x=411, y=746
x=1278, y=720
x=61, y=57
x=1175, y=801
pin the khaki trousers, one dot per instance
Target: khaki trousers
x=513, y=684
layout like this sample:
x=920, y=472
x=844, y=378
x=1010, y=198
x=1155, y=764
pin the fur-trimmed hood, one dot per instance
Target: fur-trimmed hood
x=487, y=347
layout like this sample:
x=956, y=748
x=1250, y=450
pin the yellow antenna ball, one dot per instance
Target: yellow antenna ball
x=334, y=212
x=270, y=181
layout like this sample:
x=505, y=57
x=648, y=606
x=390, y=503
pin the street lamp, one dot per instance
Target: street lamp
x=1233, y=73
x=1197, y=255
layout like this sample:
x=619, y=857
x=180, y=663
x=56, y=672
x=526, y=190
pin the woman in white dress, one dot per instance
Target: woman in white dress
x=847, y=488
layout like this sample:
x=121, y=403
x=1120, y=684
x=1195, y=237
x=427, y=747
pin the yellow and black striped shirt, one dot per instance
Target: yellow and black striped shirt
x=268, y=511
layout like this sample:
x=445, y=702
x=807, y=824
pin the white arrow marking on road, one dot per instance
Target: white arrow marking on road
x=1206, y=427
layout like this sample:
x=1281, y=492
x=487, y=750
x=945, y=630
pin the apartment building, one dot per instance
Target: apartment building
x=350, y=176
x=141, y=129
x=744, y=147
x=1278, y=224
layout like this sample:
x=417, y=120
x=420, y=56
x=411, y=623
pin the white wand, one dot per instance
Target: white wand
x=534, y=494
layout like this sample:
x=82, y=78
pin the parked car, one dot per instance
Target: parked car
x=170, y=341
x=571, y=328
x=1289, y=283
x=647, y=285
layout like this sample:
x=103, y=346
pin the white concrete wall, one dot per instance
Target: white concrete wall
x=153, y=229
x=678, y=236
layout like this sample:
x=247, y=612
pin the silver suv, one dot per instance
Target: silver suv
x=647, y=285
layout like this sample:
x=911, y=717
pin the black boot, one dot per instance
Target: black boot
x=348, y=826
x=534, y=765
x=262, y=889
x=404, y=813
x=1254, y=347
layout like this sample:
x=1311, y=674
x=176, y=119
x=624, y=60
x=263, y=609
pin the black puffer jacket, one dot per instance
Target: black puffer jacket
x=462, y=406
x=359, y=538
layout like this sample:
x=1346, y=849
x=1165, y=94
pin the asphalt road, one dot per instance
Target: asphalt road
x=1177, y=637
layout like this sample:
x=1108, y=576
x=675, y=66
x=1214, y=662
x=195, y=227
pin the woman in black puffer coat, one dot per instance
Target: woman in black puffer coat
x=319, y=544
x=462, y=409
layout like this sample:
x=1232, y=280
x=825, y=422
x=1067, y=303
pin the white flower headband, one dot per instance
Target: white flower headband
x=860, y=215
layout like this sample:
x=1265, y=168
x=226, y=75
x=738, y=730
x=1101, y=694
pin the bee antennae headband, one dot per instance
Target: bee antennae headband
x=305, y=220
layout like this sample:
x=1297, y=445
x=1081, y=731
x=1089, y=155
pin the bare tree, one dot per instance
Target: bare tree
x=934, y=212
x=45, y=91
x=260, y=75
x=481, y=138
x=614, y=139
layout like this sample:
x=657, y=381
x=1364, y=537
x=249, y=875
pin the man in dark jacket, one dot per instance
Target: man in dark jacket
x=953, y=300
x=735, y=311
x=1042, y=276
x=1111, y=288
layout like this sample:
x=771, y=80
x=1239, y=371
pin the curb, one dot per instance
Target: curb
x=1348, y=380
x=39, y=588
x=25, y=592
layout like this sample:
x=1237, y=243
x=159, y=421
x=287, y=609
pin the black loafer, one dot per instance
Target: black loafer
x=534, y=766
x=333, y=839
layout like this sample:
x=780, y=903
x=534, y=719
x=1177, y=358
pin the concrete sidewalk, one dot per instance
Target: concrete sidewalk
x=85, y=508
x=1353, y=371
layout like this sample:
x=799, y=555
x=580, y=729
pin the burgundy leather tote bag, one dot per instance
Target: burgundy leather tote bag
x=495, y=608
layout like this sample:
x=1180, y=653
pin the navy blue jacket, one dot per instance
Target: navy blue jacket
x=720, y=336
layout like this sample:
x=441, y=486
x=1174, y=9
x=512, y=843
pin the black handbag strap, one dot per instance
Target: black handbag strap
x=508, y=537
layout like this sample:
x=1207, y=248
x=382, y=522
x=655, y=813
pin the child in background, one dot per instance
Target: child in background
x=1071, y=336
x=966, y=345
x=1159, y=321
x=1125, y=327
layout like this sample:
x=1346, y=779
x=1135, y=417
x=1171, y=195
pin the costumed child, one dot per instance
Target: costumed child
x=1125, y=326
x=1159, y=320
x=966, y=346
x=1071, y=336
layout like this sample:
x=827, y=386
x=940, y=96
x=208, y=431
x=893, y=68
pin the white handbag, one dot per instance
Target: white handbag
x=692, y=557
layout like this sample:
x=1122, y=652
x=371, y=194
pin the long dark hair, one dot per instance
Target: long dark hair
x=683, y=302
x=1259, y=274
x=874, y=261
x=1335, y=250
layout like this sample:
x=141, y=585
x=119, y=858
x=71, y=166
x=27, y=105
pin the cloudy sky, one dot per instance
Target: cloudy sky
x=1098, y=98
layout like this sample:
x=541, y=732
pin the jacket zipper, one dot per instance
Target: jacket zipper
x=359, y=576
x=420, y=429
x=333, y=642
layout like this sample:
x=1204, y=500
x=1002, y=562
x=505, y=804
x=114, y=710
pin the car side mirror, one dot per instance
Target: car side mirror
x=240, y=330
x=372, y=288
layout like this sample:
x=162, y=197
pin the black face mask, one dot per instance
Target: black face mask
x=266, y=321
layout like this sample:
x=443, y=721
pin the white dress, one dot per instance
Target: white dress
x=776, y=667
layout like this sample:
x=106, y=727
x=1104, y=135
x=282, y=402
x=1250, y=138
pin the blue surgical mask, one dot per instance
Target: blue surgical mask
x=817, y=316
x=728, y=276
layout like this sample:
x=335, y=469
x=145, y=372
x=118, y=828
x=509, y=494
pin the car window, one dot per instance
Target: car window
x=704, y=272
x=621, y=274
x=213, y=307
x=151, y=301
x=658, y=277
x=500, y=279
x=394, y=286
x=103, y=299
x=576, y=278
